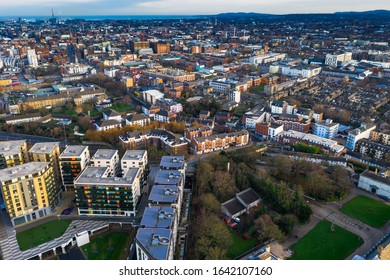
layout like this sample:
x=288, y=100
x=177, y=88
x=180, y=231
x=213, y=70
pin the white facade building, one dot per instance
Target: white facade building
x=326, y=129
x=107, y=158
x=235, y=96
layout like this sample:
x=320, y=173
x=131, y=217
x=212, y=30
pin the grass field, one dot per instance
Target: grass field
x=41, y=234
x=323, y=244
x=239, y=245
x=367, y=210
x=110, y=246
x=121, y=107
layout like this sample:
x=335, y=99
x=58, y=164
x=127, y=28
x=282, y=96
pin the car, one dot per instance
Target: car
x=237, y=220
x=2, y=206
x=385, y=198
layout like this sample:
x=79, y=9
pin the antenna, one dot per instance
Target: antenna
x=52, y=13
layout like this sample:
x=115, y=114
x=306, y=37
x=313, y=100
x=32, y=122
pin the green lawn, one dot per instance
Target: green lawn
x=41, y=234
x=367, y=210
x=239, y=245
x=323, y=244
x=110, y=246
x=121, y=107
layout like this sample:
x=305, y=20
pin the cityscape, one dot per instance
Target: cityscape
x=194, y=135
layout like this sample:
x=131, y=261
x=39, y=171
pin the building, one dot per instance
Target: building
x=278, y=107
x=235, y=96
x=152, y=96
x=134, y=159
x=380, y=137
x=160, y=47
x=194, y=132
x=374, y=183
x=158, y=217
x=73, y=160
x=164, y=195
x=304, y=72
x=48, y=152
x=336, y=60
x=363, y=132
x=154, y=244
x=326, y=129
x=29, y=191
x=105, y=125
x=99, y=194
x=372, y=149
x=169, y=105
x=173, y=163
x=269, y=130
x=241, y=204
x=137, y=120
x=292, y=137
x=107, y=158
x=32, y=58
x=111, y=115
x=13, y=153
x=164, y=116
x=266, y=58
x=293, y=122
x=138, y=45
x=217, y=142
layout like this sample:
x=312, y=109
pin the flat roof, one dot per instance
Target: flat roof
x=98, y=176
x=155, y=240
x=134, y=154
x=168, y=177
x=172, y=162
x=44, y=147
x=73, y=151
x=11, y=147
x=104, y=154
x=158, y=217
x=22, y=170
x=164, y=194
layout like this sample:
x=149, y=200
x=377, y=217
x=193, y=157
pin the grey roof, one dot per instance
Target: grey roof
x=155, y=241
x=103, y=123
x=73, y=151
x=22, y=170
x=104, y=154
x=137, y=117
x=111, y=113
x=373, y=176
x=98, y=176
x=134, y=154
x=158, y=217
x=168, y=177
x=233, y=206
x=11, y=147
x=248, y=196
x=164, y=194
x=172, y=162
x=44, y=148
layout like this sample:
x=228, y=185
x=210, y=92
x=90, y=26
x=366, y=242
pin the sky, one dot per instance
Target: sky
x=182, y=7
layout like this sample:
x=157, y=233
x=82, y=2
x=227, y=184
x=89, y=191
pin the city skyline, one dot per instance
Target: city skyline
x=179, y=7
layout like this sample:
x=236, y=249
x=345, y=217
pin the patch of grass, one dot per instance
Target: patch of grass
x=367, y=210
x=239, y=245
x=121, y=107
x=321, y=243
x=41, y=234
x=110, y=246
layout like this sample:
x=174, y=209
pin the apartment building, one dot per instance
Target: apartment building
x=107, y=158
x=363, y=132
x=29, y=191
x=73, y=160
x=13, y=153
x=326, y=129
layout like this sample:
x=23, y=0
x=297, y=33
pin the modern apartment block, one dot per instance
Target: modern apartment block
x=13, y=153
x=154, y=244
x=48, y=152
x=326, y=129
x=107, y=158
x=173, y=163
x=363, y=132
x=134, y=159
x=99, y=194
x=29, y=191
x=73, y=161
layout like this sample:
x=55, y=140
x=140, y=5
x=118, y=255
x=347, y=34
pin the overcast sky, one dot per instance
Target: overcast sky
x=182, y=7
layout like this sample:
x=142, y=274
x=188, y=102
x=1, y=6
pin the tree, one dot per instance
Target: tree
x=210, y=203
x=266, y=229
x=224, y=186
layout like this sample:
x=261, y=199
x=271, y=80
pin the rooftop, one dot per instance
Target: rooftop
x=164, y=194
x=104, y=154
x=134, y=154
x=233, y=206
x=98, y=176
x=44, y=148
x=156, y=241
x=73, y=151
x=11, y=147
x=158, y=217
x=22, y=170
x=172, y=162
x=168, y=177
x=248, y=196
x=375, y=177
